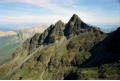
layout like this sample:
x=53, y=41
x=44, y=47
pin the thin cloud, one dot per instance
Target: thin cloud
x=50, y=5
x=53, y=19
x=57, y=10
x=31, y=19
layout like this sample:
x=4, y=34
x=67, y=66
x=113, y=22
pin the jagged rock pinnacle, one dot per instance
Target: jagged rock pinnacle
x=59, y=23
x=75, y=18
x=74, y=25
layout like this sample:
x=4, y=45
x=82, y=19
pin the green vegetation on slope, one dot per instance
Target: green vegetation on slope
x=8, y=46
x=60, y=60
x=66, y=51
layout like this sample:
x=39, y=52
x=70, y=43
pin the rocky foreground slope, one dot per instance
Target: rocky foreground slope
x=66, y=51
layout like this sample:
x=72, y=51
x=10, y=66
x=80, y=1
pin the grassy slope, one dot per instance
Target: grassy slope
x=7, y=46
x=60, y=60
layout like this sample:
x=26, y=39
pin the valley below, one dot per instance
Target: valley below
x=10, y=40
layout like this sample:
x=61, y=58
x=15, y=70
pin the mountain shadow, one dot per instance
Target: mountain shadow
x=105, y=51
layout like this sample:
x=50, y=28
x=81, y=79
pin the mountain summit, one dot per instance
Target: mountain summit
x=65, y=51
x=75, y=26
x=74, y=19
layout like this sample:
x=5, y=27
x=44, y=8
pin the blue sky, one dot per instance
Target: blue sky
x=14, y=13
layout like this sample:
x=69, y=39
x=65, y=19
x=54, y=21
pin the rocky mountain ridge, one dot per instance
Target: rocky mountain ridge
x=65, y=51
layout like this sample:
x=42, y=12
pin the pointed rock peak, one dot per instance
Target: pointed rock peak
x=75, y=18
x=75, y=15
x=59, y=23
x=51, y=25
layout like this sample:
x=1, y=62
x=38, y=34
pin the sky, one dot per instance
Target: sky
x=15, y=13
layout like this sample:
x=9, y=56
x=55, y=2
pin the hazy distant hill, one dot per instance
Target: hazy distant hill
x=8, y=45
x=25, y=33
x=7, y=33
x=10, y=40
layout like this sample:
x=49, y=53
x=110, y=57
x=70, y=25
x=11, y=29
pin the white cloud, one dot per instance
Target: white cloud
x=31, y=19
x=50, y=5
x=53, y=19
x=103, y=20
x=60, y=12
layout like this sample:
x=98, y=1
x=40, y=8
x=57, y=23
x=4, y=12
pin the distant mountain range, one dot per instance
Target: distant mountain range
x=25, y=33
x=72, y=51
x=7, y=33
x=10, y=40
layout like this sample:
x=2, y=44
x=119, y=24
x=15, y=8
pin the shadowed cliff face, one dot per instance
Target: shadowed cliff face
x=114, y=45
x=110, y=68
x=60, y=52
x=105, y=51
